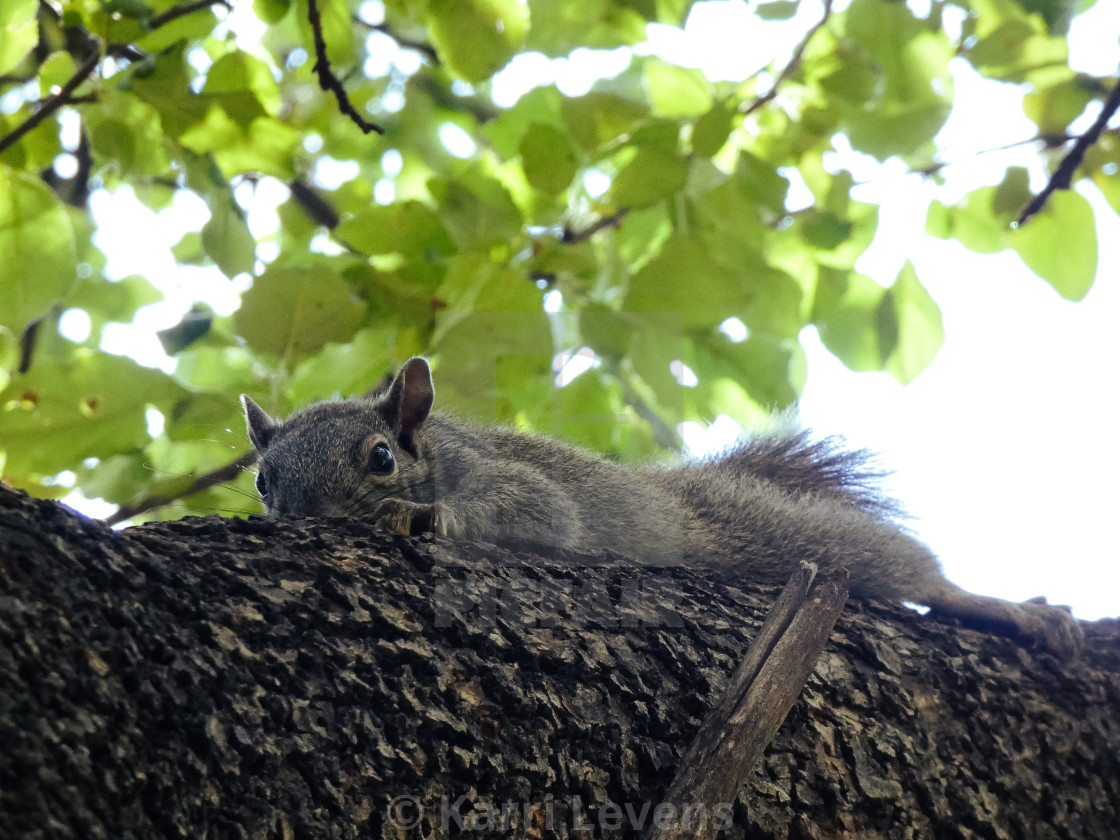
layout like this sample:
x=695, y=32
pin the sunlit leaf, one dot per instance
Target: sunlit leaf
x=477, y=37
x=18, y=31
x=90, y=406
x=1059, y=244
x=290, y=312
x=549, y=158
x=677, y=91
x=37, y=248
x=226, y=238
x=651, y=176
x=920, y=333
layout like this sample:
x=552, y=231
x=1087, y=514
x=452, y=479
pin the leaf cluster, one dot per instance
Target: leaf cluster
x=644, y=226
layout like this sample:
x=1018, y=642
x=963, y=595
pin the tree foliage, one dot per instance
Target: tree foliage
x=629, y=222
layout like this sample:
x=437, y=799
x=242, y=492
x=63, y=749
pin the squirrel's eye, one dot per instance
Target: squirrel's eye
x=381, y=459
x=262, y=484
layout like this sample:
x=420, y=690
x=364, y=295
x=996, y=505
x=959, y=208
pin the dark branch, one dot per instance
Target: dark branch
x=204, y=482
x=1062, y=179
x=426, y=50
x=328, y=81
x=317, y=208
x=51, y=105
x=793, y=64
x=571, y=237
x=176, y=12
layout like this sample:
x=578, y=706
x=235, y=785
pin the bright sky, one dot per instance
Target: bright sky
x=1000, y=449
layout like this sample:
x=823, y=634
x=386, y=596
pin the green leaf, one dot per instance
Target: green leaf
x=125, y=133
x=1059, y=244
x=920, y=333
x=244, y=87
x=549, y=159
x=477, y=210
x=291, y=312
x=18, y=31
x=104, y=300
x=90, y=406
x=847, y=312
x=197, y=25
x=677, y=91
x=407, y=227
x=475, y=283
x=684, y=279
x=652, y=175
x=915, y=85
x=164, y=83
x=226, y=238
x=600, y=118
x=37, y=244
x=777, y=9
x=271, y=11
x=1054, y=108
x=559, y=26
x=712, y=129
x=55, y=72
x=477, y=37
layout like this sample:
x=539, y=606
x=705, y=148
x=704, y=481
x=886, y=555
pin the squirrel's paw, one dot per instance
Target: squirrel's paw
x=416, y=518
x=1052, y=626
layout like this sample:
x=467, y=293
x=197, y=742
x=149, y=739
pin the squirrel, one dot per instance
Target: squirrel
x=755, y=511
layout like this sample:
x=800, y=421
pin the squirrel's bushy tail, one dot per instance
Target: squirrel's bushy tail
x=763, y=505
x=798, y=465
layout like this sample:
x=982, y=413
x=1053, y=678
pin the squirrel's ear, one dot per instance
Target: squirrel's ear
x=410, y=398
x=259, y=425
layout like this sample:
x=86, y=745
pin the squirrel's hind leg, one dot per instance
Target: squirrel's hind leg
x=1053, y=627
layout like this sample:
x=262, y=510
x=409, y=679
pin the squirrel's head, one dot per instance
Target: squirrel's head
x=342, y=458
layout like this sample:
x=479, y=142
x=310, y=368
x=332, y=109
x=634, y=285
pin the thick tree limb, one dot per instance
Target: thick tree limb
x=51, y=105
x=1062, y=179
x=328, y=81
x=228, y=677
x=297, y=678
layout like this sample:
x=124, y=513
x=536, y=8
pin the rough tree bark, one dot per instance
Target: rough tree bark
x=228, y=678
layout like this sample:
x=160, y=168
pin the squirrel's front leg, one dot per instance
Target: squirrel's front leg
x=406, y=517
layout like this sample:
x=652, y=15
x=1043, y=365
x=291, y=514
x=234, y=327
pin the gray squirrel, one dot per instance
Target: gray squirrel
x=756, y=510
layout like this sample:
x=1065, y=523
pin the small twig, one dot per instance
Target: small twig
x=156, y=21
x=794, y=61
x=50, y=105
x=204, y=482
x=1062, y=179
x=663, y=433
x=328, y=81
x=571, y=237
x=426, y=50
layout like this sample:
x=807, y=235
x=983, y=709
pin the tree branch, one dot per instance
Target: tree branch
x=328, y=81
x=426, y=50
x=571, y=236
x=176, y=12
x=51, y=105
x=203, y=482
x=1062, y=179
x=747, y=715
x=794, y=62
